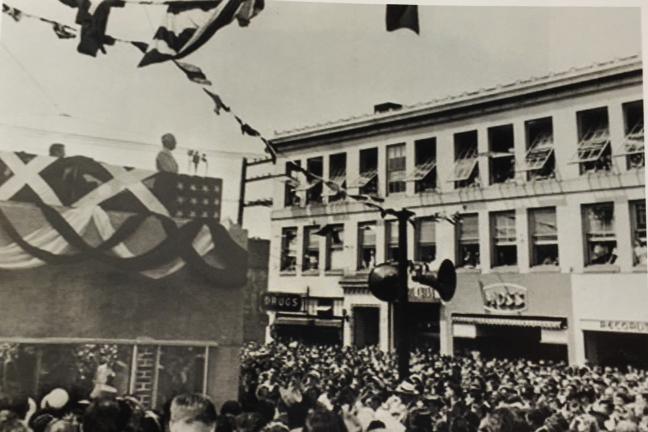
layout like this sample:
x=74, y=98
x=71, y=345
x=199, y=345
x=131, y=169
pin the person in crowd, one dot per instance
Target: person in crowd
x=165, y=160
x=57, y=150
x=192, y=413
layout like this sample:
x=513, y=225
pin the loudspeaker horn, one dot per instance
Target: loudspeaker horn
x=444, y=281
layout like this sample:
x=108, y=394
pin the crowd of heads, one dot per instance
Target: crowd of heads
x=297, y=387
x=57, y=412
x=320, y=388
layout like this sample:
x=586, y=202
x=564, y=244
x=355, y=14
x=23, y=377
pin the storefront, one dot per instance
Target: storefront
x=509, y=316
x=612, y=319
x=310, y=320
x=371, y=320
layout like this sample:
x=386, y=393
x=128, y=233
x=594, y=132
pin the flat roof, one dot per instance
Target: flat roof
x=521, y=87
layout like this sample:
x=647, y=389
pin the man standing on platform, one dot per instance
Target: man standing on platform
x=165, y=160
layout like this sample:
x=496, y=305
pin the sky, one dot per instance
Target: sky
x=297, y=64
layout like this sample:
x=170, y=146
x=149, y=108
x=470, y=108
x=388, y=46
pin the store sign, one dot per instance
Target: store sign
x=504, y=298
x=623, y=326
x=422, y=294
x=283, y=302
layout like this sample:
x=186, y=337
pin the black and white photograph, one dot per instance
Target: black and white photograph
x=323, y=216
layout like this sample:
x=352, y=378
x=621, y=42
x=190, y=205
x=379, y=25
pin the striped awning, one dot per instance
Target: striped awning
x=546, y=323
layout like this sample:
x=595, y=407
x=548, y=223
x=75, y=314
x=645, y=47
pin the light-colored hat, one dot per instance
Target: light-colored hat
x=55, y=399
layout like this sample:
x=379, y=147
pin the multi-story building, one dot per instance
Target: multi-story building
x=547, y=175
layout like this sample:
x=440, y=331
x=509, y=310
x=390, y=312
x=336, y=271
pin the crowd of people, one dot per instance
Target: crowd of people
x=319, y=388
x=297, y=387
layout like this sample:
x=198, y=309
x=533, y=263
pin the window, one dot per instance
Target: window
x=314, y=188
x=335, y=248
x=292, y=184
x=468, y=241
x=544, y=236
x=368, y=180
x=634, y=134
x=311, y=249
x=366, y=245
x=466, y=168
x=337, y=170
x=424, y=174
x=396, y=168
x=594, y=151
x=598, y=221
x=501, y=156
x=425, y=240
x=539, y=161
x=638, y=215
x=288, y=250
x=504, y=239
x=391, y=235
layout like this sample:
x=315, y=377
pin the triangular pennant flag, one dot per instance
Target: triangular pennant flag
x=402, y=16
x=194, y=73
x=70, y=3
x=14, y=13
x=248, y=10
x=142, y=46
x=218, y=102
x=93, y=18
x=246, y=129
x=63, y=31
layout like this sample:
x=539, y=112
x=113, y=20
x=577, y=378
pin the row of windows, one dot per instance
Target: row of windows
x=593, y=154
x=600, y=242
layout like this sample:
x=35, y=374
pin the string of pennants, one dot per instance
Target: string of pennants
x=206, y=18
x=99, y=39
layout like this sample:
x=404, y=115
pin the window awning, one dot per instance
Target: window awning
x=592, y=146
x=538, y=154
x=546, y=323
x=421, y=171
x=463, y=169
x=336, y=183
x=308, y=321
x=634, y=141
x=364, y=178
x=307, y=186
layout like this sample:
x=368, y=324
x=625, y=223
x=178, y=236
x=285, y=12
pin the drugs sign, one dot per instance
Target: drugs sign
x=284, y=302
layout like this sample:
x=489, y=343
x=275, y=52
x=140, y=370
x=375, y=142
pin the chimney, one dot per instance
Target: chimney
x=386, y=107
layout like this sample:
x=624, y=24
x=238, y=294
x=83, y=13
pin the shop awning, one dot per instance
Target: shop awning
x=546, y=323
x=308, y=321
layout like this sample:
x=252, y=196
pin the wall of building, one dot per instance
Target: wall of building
x=254, y=318
x=610, y=303
x=93, y=301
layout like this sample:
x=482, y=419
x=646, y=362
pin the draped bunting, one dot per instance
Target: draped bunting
x=62, y=243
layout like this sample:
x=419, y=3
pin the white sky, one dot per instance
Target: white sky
x=296, y=64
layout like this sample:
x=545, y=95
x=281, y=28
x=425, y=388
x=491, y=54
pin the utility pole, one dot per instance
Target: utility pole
x=241, y=208
x=401, y=312
x=263, y=202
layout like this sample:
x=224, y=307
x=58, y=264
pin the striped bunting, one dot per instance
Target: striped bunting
x=188, y=25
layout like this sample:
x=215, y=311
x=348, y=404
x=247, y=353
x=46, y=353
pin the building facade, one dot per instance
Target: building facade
x=547, y=177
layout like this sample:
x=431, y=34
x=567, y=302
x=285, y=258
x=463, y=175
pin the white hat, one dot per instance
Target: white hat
x=55, y=399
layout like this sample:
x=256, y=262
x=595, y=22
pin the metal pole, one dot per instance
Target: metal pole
x=242, y=192
x=401, y=322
